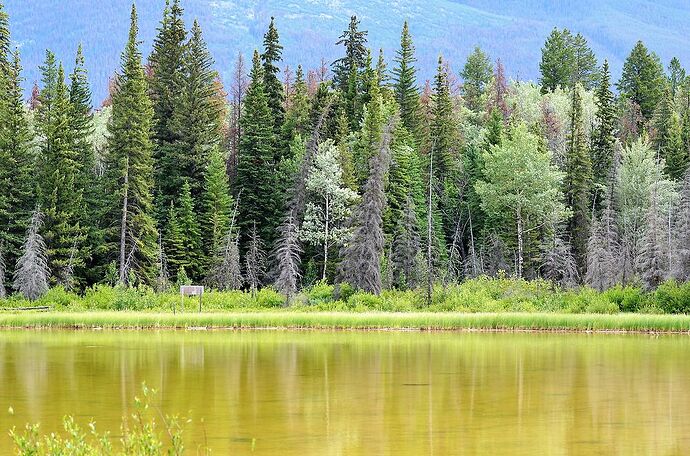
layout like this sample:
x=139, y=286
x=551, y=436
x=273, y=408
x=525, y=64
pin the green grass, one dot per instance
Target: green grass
x=355, y=321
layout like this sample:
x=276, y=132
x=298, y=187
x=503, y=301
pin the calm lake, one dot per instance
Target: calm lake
x=316, y=393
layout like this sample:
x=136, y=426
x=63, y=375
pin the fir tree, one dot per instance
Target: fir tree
x=476, y=75
x=603, y=251
x=184, y=237
x=128, y=213
x=676, y=75
x=405, y=82
x=32, y=272
x=218, y=204
x=17, y=170
x=652, y=260
x=297, y=116
x=361, y=256
x=165, y=88
x=255, y=172
x=406, y=249
x=354, y=41
x=643, y=79
x=59, y=171
x=5, y=41
x=273, y=87
x=82, y=128
x=578, y=182
x=557, y=61
x=603, y=136
x=443, y=127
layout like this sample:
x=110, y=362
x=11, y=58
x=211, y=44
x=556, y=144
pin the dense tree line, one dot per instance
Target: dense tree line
x=356, y=173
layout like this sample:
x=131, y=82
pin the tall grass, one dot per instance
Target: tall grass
x=352, y=320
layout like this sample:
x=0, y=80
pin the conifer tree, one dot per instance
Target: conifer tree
x=17, y=170
x=676, y=154
x=255, y=172
x=406, y=249
x=255, y=261
x=82, y=128
x=361, y=256
x=476, y=75
x=354, y=41
x=273, y=87
x=680, y=267
x=286, y=257
x=405, y=82
x=59, y=171
x=676, y=76
x=578, y=182
x=652, y=260
x=218, y=204
x=643, y=79
x=196, y=121
x=128, y=213
x=382, y=71
x=603, y=135
x=5, y=41
x=603, y=250
x=297, y=116
x=443, y=134
x=557, y=61
x=32, y=272
x=165, y=88
x=184, y=236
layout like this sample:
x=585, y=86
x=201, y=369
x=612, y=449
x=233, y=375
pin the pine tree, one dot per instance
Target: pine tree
x=286, y=257
x=184, y=237
x=59, y=171
x=499, y=92
x=557, y=61
x=406, y=249
x=273, y=87
x=82, y=128
x=559, y=264
x=476, y=75
x=218, y=204
x=166, y=87
x=5, y=41
x=680, y=268
x=382, y=71
x=361, y=256
x=676, y=75
x=585, y=71
x=652, y=260
x=578, y=182
x=297, y=116
x=128, y=213
x=225, y=273
x=405, y=83
x=643, y=79
x=443, y=128
x=17, y=170
x=369, y=135
x=603, y=251
x=255, y=172
x=32, y=272
x=603, y=136
x=354, y=41
x=675, y=153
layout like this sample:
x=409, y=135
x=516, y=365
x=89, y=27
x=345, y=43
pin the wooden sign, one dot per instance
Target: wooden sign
x=190, y=290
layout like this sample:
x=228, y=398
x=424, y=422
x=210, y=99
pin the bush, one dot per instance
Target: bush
x=672, y=297
x=627, y=299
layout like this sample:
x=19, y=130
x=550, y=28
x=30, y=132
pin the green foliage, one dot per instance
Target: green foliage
x=567, y=60
x=603, y=139
x=146, y=432
x=405, y=82
x=476, y=75
x=643, y=80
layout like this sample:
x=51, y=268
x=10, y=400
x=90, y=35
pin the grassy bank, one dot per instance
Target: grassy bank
x=356, y=321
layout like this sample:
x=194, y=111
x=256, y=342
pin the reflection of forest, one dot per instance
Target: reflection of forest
x=365, y=393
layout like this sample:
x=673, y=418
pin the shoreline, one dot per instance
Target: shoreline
x=367, y=321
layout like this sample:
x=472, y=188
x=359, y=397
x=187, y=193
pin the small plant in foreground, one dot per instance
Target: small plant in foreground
x=142, y=435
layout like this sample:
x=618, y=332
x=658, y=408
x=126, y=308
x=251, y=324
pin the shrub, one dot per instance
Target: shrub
x=672, y=297
x=627, y=299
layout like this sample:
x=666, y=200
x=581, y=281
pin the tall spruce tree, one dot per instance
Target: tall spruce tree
x=676, y=76
x=603, y=135
x=256, y=168
x=82, y=128
x=184, y=236
x=165, y=88
x=354, y=41
x=130, y=235
x=218, y=205
x=578, y=182
x=273, y=87
x=643, y=79
x=59, y=171
x=17, y=170
x=405, y=82
x=5, y=41
x=443, y=126
x=556, y=61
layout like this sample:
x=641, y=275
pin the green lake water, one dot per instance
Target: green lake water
x=342, y=393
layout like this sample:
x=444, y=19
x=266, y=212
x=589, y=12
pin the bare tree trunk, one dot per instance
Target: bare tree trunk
x=325, y=242
x=520, y=247
x=123, y=228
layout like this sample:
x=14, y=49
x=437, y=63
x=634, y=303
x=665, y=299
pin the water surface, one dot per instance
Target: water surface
x=316, y=393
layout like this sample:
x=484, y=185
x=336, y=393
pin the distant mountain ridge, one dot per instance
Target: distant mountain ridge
x=510, y=29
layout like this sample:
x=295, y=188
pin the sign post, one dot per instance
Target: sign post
x=190, y=290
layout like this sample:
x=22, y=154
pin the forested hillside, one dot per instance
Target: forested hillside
x=356, y=173
x=513, y=30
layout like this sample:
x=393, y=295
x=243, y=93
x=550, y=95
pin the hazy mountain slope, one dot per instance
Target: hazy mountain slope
x=511, y=29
